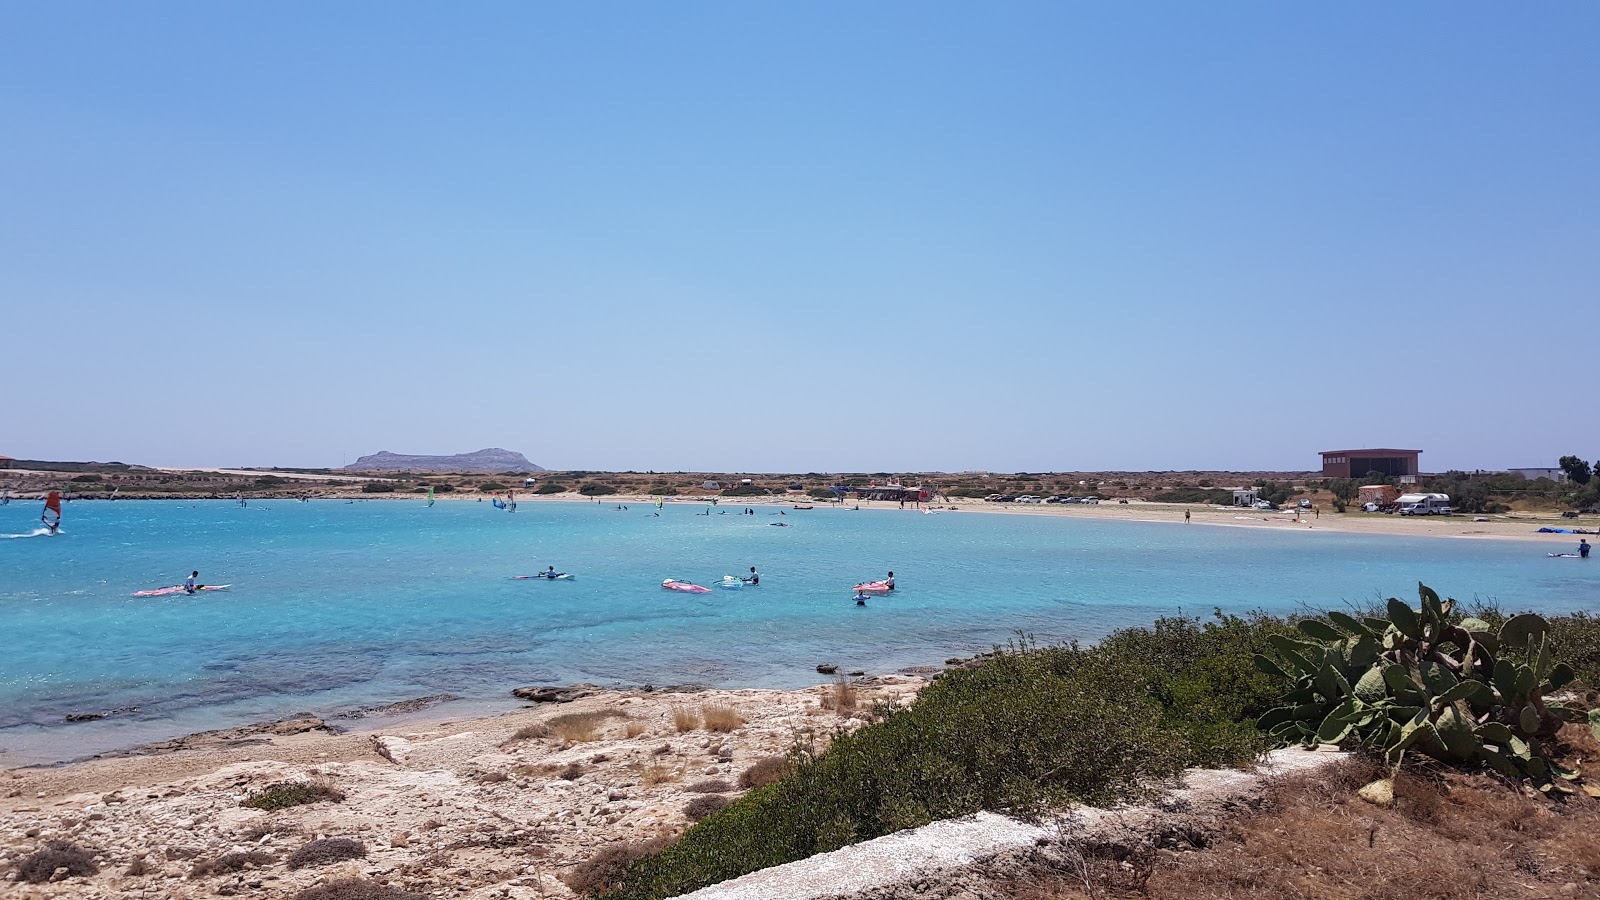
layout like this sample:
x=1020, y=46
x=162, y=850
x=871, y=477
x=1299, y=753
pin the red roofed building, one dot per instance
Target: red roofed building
x=1359, y=463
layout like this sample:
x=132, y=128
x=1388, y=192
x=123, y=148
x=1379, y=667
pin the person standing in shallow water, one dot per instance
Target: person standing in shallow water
x=1186, y=517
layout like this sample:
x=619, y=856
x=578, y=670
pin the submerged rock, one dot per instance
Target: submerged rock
x=553, y=694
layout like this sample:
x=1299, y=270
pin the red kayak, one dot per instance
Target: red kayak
x=874, y=587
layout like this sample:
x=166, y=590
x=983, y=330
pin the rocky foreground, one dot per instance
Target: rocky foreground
x=499, y=807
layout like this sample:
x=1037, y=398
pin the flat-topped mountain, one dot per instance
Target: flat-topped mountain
x=492, y=459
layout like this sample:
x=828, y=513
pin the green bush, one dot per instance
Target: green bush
x=286, y=794
x=663, y=490
x=973, y=492
x=596, y=489
x=377, y=487
x=821, y=494
x=491, y=486
x=443, y=488
x=1029, y=727
x=270, y=481
x=548, y=488
x=746, y=490
x=85, y=478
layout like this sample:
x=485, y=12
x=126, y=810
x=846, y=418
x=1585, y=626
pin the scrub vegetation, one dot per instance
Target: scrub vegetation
x=285, y=794
x=1028, y=728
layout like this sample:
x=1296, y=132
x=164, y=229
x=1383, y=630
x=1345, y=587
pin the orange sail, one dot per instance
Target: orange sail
x=52, y=504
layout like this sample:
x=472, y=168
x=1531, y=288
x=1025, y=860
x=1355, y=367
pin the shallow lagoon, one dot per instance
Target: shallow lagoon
x=337, y=606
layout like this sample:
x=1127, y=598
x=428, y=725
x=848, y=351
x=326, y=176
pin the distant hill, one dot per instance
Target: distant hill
x=492, y=459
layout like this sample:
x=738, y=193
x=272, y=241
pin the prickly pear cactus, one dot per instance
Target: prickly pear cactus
x=1458, y=691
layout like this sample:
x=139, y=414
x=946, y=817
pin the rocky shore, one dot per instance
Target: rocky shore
x=495, y=807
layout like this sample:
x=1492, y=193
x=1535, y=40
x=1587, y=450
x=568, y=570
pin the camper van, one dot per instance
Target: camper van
x=1424, y=505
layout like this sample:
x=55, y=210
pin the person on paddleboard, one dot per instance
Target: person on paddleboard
x=755, y=577
x=889, y=582
x=189, y=585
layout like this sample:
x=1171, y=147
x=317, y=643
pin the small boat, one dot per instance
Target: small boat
x=684, y=586
x=873, y=587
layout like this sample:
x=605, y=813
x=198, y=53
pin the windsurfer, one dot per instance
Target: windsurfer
x=189, y=585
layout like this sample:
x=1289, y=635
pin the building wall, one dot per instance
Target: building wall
x=1357, y=464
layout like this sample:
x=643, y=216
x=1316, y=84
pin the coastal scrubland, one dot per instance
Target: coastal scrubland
x=1027, y=729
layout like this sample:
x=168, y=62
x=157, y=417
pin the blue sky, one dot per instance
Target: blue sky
x=793, y=237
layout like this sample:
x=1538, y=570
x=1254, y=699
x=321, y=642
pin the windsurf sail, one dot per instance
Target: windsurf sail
x=660, y=500
x=5, y=496
x=238, y=498
x=52, y=510
x=498, y=503
x=114, y=492
x=430, y=496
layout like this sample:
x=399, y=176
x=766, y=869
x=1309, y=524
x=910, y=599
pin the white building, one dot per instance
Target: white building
x=1558, y=475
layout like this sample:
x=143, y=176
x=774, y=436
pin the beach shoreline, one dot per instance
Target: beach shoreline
x=476, y=791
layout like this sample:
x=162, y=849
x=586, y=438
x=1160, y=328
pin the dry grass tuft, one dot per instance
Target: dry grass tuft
x=685, y=719
x=356, y=889
x=841, y=697
x=531, y=732
x=570, y=772
x=636, y=729
x=324, y=851
x=605, y=869
x=709, y=786
x=1314, y=840
x=704, y=805
x=764, y=772
x=38, y=866
x=721, y=718
x=582, y=726
x=655, y=774
x=232, y=862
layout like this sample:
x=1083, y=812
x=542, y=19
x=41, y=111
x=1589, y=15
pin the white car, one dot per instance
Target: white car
x=1028, y=498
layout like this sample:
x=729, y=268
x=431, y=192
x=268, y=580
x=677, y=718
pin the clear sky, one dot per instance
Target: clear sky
x=739, y=236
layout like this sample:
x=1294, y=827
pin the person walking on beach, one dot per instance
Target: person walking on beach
x=1583, y=548
x=189, y=585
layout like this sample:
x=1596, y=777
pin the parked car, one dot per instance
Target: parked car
x=1305, y=503
x=1029, y=498
x=1265, y=504
x=1092, y=501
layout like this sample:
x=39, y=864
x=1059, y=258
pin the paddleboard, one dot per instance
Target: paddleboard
x=562, y=577
x=685, y=587
x=1564, y=555
x=178, y=589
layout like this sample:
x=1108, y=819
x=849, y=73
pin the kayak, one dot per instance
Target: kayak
x=684, y=586
x=561, y=577
x=178, y=589
x=731, y=582
x=873, y=587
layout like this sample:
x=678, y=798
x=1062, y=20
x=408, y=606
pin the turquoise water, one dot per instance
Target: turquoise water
x=336, y=606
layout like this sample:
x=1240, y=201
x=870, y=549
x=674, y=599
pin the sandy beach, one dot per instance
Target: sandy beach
x=461, y=805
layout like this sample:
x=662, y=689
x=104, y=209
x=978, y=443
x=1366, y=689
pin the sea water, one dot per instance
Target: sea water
x=336, y=606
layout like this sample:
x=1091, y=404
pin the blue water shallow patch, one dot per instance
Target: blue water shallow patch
x=339, y=606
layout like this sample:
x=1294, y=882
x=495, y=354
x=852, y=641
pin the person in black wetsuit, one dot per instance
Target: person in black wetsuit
x=1583, y=547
